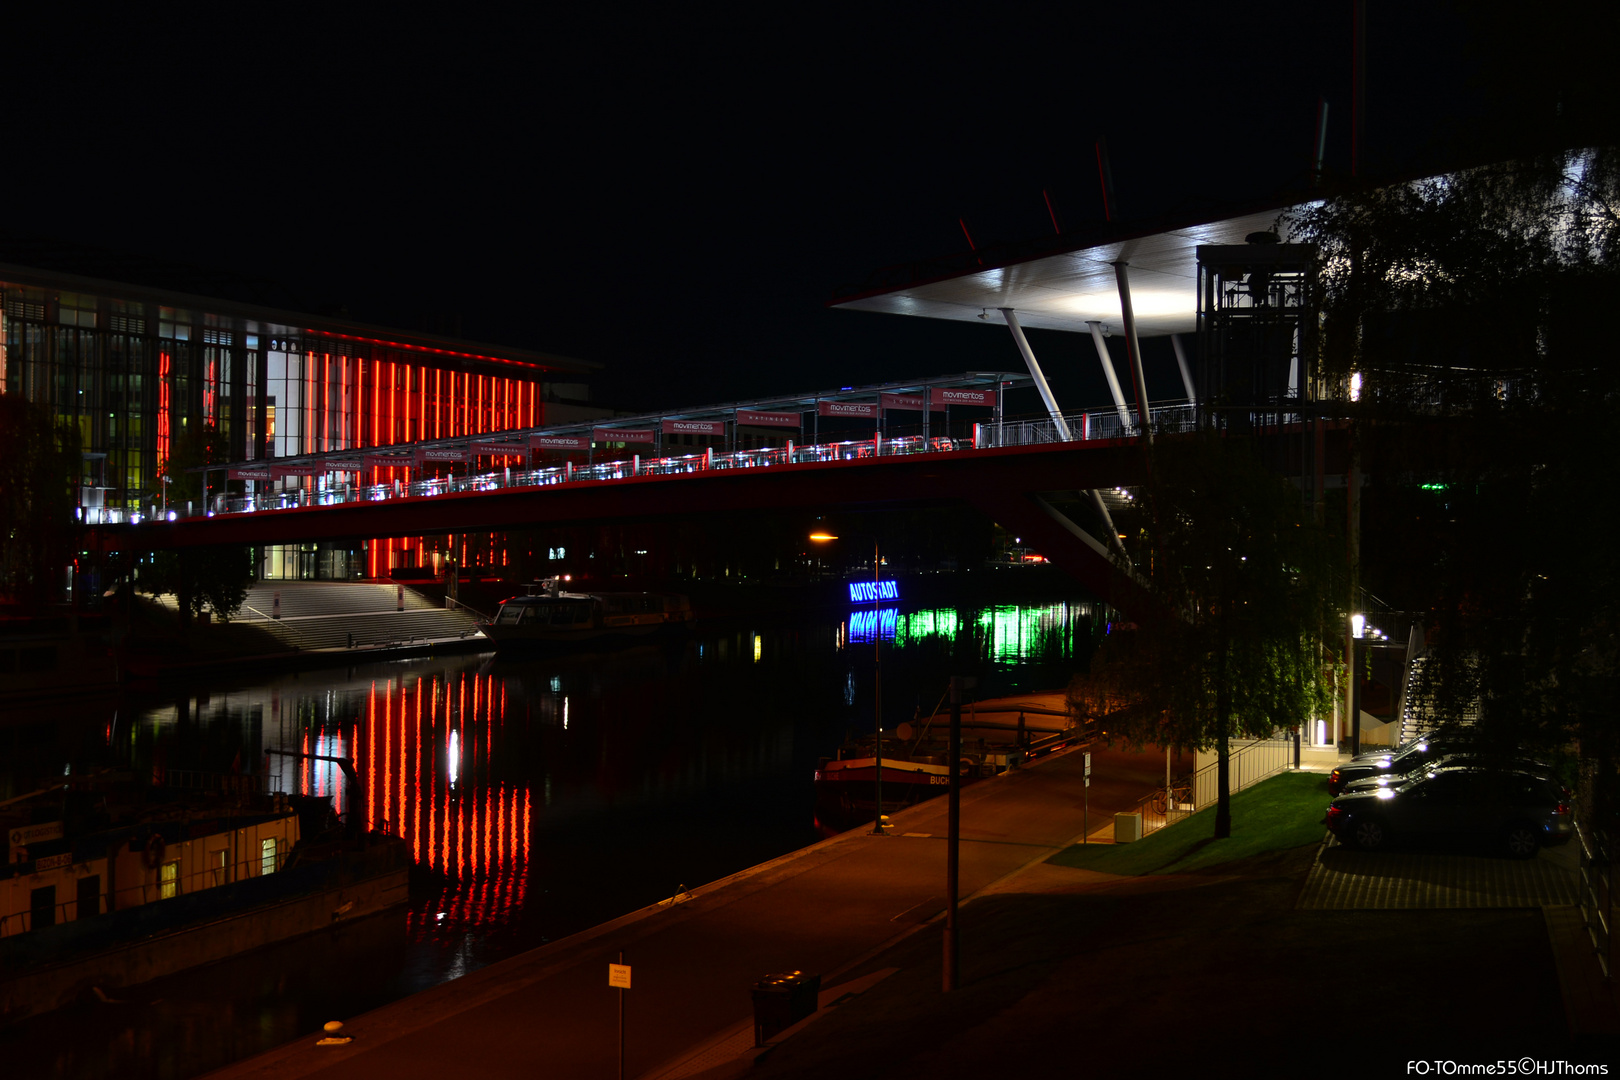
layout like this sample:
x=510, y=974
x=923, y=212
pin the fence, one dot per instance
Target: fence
x=1085, y=426
x=1596, y=892
x=254, y=864
x=1248, y=764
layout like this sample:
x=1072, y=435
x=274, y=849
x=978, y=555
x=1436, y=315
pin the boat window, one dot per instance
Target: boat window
x=170, y=881
x=267, y=856
x=509, y=614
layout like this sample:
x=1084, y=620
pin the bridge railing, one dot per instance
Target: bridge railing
x=1092, y=424
x=1083, y=426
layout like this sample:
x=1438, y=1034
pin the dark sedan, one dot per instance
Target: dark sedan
x=1524, y=812
x=1406, y=760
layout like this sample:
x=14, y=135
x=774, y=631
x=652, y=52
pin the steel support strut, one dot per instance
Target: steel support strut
x=1036, y=374
x=1108, y=372
x=1186, y=371
x=1057, y=416
x=1132, y=348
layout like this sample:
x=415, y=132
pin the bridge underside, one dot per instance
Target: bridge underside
x=1020, y=488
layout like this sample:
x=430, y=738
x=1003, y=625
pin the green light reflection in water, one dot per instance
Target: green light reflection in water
x=1011, y=634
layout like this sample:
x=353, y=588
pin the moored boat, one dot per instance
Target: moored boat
x=916, y=760
x=552, y=616
x=99, y=894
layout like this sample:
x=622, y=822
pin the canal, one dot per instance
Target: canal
x=539, y=796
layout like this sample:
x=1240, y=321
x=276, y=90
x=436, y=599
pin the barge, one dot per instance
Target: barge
x=917, y=761
x=95, y=900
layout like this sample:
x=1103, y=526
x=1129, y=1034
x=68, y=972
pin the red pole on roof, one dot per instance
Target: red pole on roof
x=1051, y=212
x=971, y=245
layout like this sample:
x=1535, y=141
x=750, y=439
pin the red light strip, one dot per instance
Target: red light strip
x=163, y=410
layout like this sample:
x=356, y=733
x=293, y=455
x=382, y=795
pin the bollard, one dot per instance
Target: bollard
x=334, y=1035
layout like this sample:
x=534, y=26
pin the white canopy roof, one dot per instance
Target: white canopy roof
x=1063, y=290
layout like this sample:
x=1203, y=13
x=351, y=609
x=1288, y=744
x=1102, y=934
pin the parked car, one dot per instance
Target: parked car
x=1407, y=759
x=1522, y=811
x=1465, y=760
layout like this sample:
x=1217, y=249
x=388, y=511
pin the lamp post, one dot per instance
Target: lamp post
x=877, y=680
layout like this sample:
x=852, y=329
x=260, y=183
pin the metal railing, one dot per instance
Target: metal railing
x=147, y=892
x=1249, y=764
x=1083, y=427
x=451, y=603
x=1596, y=892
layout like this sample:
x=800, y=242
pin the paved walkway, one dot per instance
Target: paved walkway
x=694, y=959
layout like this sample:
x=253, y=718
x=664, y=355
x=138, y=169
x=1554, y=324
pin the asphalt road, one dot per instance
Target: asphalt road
x=550, y=1012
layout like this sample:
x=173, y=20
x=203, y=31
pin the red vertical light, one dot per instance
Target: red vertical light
x=433, y=782
x=163, y=410
x=416, y=748
x=403, y=749
x=420, y=374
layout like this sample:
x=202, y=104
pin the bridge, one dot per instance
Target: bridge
x=1018, y=473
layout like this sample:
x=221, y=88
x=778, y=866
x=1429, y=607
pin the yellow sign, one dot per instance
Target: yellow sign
x=619, y=975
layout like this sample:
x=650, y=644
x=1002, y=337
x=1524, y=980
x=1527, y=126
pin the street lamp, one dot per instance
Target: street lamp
x=877, y=679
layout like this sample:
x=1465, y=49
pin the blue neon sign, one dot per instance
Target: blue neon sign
x=872, y=592
x=873, y=623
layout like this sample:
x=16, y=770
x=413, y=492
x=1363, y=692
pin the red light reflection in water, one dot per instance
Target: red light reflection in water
x=424, y=760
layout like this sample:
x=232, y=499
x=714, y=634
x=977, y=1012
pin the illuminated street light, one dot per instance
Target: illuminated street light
x=877, y=679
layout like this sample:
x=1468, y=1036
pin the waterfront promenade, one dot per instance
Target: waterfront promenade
x=823, y=909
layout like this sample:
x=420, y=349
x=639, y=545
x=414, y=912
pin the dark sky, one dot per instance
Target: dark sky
x=675, y=192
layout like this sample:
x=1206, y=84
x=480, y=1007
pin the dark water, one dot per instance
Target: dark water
x=547, y=794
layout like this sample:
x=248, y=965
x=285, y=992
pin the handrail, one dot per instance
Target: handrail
x=149, y=892
x=1596, y=899
x=1248, y=765
x=1083, y=427
x=448, y=600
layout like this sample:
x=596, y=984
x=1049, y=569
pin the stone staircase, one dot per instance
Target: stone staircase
x=339, y=615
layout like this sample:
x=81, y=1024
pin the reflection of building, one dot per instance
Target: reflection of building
x=425, y=752
x=136, y=357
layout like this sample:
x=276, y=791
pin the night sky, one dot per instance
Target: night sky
x=675, y=193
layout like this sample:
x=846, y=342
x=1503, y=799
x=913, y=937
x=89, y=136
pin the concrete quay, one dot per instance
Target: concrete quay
x=824, y=909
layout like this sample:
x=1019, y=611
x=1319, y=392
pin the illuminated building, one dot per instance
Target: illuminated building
x=137, y=355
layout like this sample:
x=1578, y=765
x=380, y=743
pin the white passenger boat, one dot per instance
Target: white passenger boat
x=551, y=616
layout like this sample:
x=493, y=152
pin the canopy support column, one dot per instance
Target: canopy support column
x=1036, y=374
x=1186, y=371
x=1057, y=419
x=1108, y=372
x=1133, y=349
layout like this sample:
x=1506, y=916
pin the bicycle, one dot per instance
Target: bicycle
x=1180, y=795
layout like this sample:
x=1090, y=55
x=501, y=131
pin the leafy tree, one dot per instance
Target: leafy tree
x=1474, y=307
x=1248, y=578
x=215, y=578
x=194, y=448
x=40, y=466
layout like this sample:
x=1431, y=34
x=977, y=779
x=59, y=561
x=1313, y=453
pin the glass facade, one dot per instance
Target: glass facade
x=134, y=374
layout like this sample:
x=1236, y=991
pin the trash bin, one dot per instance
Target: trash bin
x=1127, y=827
x=782, y=1000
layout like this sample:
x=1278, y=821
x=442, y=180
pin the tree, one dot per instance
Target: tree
x=1248, y=578
x=40, y=467
x=193, y=449
x=1474, y=308
x=214, y=578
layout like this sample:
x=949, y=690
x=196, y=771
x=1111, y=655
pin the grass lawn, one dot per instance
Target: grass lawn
x=1283, y=812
